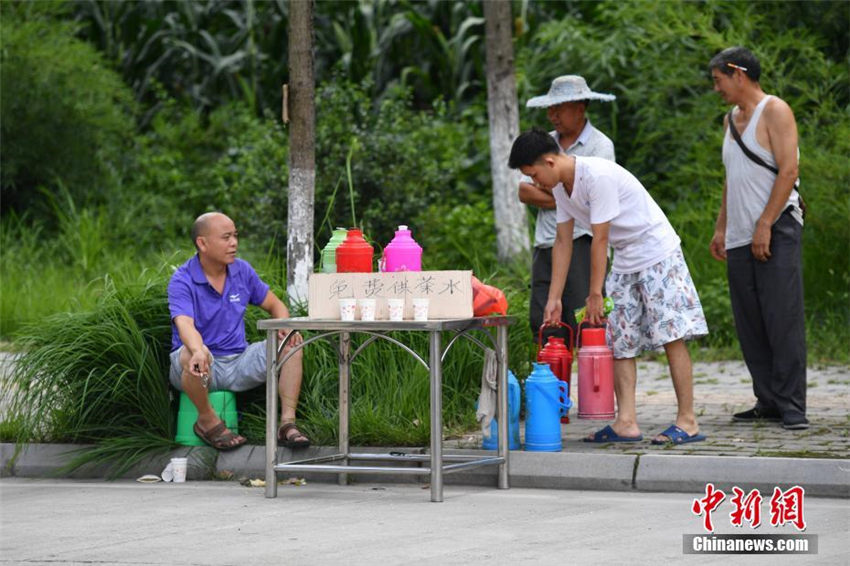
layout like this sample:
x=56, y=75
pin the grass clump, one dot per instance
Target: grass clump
x=98, y=377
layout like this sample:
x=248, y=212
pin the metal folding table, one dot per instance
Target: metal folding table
x=339, y=333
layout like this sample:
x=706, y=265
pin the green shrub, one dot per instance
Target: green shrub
x=667, y=123
x=403, y=161
x=64, y=115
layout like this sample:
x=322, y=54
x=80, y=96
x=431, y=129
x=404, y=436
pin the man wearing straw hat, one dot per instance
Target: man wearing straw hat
x=566, y=106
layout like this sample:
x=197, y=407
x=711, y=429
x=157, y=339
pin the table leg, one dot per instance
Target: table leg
x=344, y=398
x=436, y=370
x=502, y=378
x=271, y=412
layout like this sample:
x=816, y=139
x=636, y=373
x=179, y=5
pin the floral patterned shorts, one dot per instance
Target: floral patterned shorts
x=653, y=307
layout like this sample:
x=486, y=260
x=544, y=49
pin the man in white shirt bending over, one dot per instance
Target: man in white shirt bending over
x=655, y=302
x=566, y=107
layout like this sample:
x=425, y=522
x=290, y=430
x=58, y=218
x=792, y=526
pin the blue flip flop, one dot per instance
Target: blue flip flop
x=677, y=436
x=607, y=434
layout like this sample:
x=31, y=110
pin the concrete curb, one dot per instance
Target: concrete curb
x=690, y=473
x=543, y=470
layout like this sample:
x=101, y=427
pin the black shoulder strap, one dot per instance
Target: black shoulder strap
x=753, y=157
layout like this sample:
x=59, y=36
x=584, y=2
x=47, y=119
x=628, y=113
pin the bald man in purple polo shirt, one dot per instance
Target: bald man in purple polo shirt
x=207, y=297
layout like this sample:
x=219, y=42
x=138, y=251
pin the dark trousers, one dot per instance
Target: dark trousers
x=575, y=292
x=767, y=302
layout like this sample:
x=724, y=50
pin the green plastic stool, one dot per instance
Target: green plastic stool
x=223, y=403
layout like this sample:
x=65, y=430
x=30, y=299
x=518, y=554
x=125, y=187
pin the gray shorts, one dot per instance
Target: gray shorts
x=238, y=372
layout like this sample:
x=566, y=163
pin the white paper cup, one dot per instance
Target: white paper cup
x=420, y=309
x=168, y=473
x=367, y=309
x=347, y=307
x=396, y=309
x=178, y=466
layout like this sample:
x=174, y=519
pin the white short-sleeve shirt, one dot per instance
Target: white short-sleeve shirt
x=603, y=191
x=590, y=142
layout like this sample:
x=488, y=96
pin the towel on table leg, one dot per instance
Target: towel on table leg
x=487, y=397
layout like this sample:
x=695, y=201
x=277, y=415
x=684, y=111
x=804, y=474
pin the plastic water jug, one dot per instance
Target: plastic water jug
x=492, y=442
x=329, y=251
x=402, y=253
x=558, y=355
x=354, y=254
x=547, y=399
x=595, y=375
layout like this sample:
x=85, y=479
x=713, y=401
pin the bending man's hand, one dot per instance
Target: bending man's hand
x=594, y=314
x=552, y=313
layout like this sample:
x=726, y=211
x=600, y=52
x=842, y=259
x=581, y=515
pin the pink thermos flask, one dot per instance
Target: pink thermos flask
x=595, y=375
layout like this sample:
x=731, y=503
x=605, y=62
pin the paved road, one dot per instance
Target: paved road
x=222, y=523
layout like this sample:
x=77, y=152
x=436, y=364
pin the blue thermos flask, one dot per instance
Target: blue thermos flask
x=492, y=442
x=547, y=399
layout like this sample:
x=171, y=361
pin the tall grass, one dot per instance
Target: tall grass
x=44, y=271
x=98, y=376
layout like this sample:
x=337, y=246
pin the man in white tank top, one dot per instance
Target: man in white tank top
x=759, y=235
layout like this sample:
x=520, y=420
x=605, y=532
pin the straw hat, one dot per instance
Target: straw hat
x=567, y=88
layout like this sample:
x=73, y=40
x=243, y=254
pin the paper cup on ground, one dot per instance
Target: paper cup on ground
x=396, y=309
x=420, y=309
x=168, y=473
x=367, y=309
x=179, y=465
x=347, y=308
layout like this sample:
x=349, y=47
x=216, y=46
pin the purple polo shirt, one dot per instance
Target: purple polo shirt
x=218, y=317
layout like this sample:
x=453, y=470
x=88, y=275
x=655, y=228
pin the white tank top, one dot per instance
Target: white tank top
x=748, y=184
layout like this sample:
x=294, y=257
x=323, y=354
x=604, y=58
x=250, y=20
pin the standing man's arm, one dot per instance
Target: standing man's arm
x=598, y=263
x=562, y=252
x=530, y=193
x=718, y=242
x=782, y=135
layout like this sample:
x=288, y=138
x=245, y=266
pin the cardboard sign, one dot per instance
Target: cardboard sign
x=450, y=292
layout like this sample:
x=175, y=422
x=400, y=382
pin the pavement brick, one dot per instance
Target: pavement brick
x=721, y=389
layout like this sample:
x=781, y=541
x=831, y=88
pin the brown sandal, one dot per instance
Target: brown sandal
x=219, y=437
x=297, y=440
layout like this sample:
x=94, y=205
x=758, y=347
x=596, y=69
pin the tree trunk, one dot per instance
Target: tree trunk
x=509, y=213
x=302, y=159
